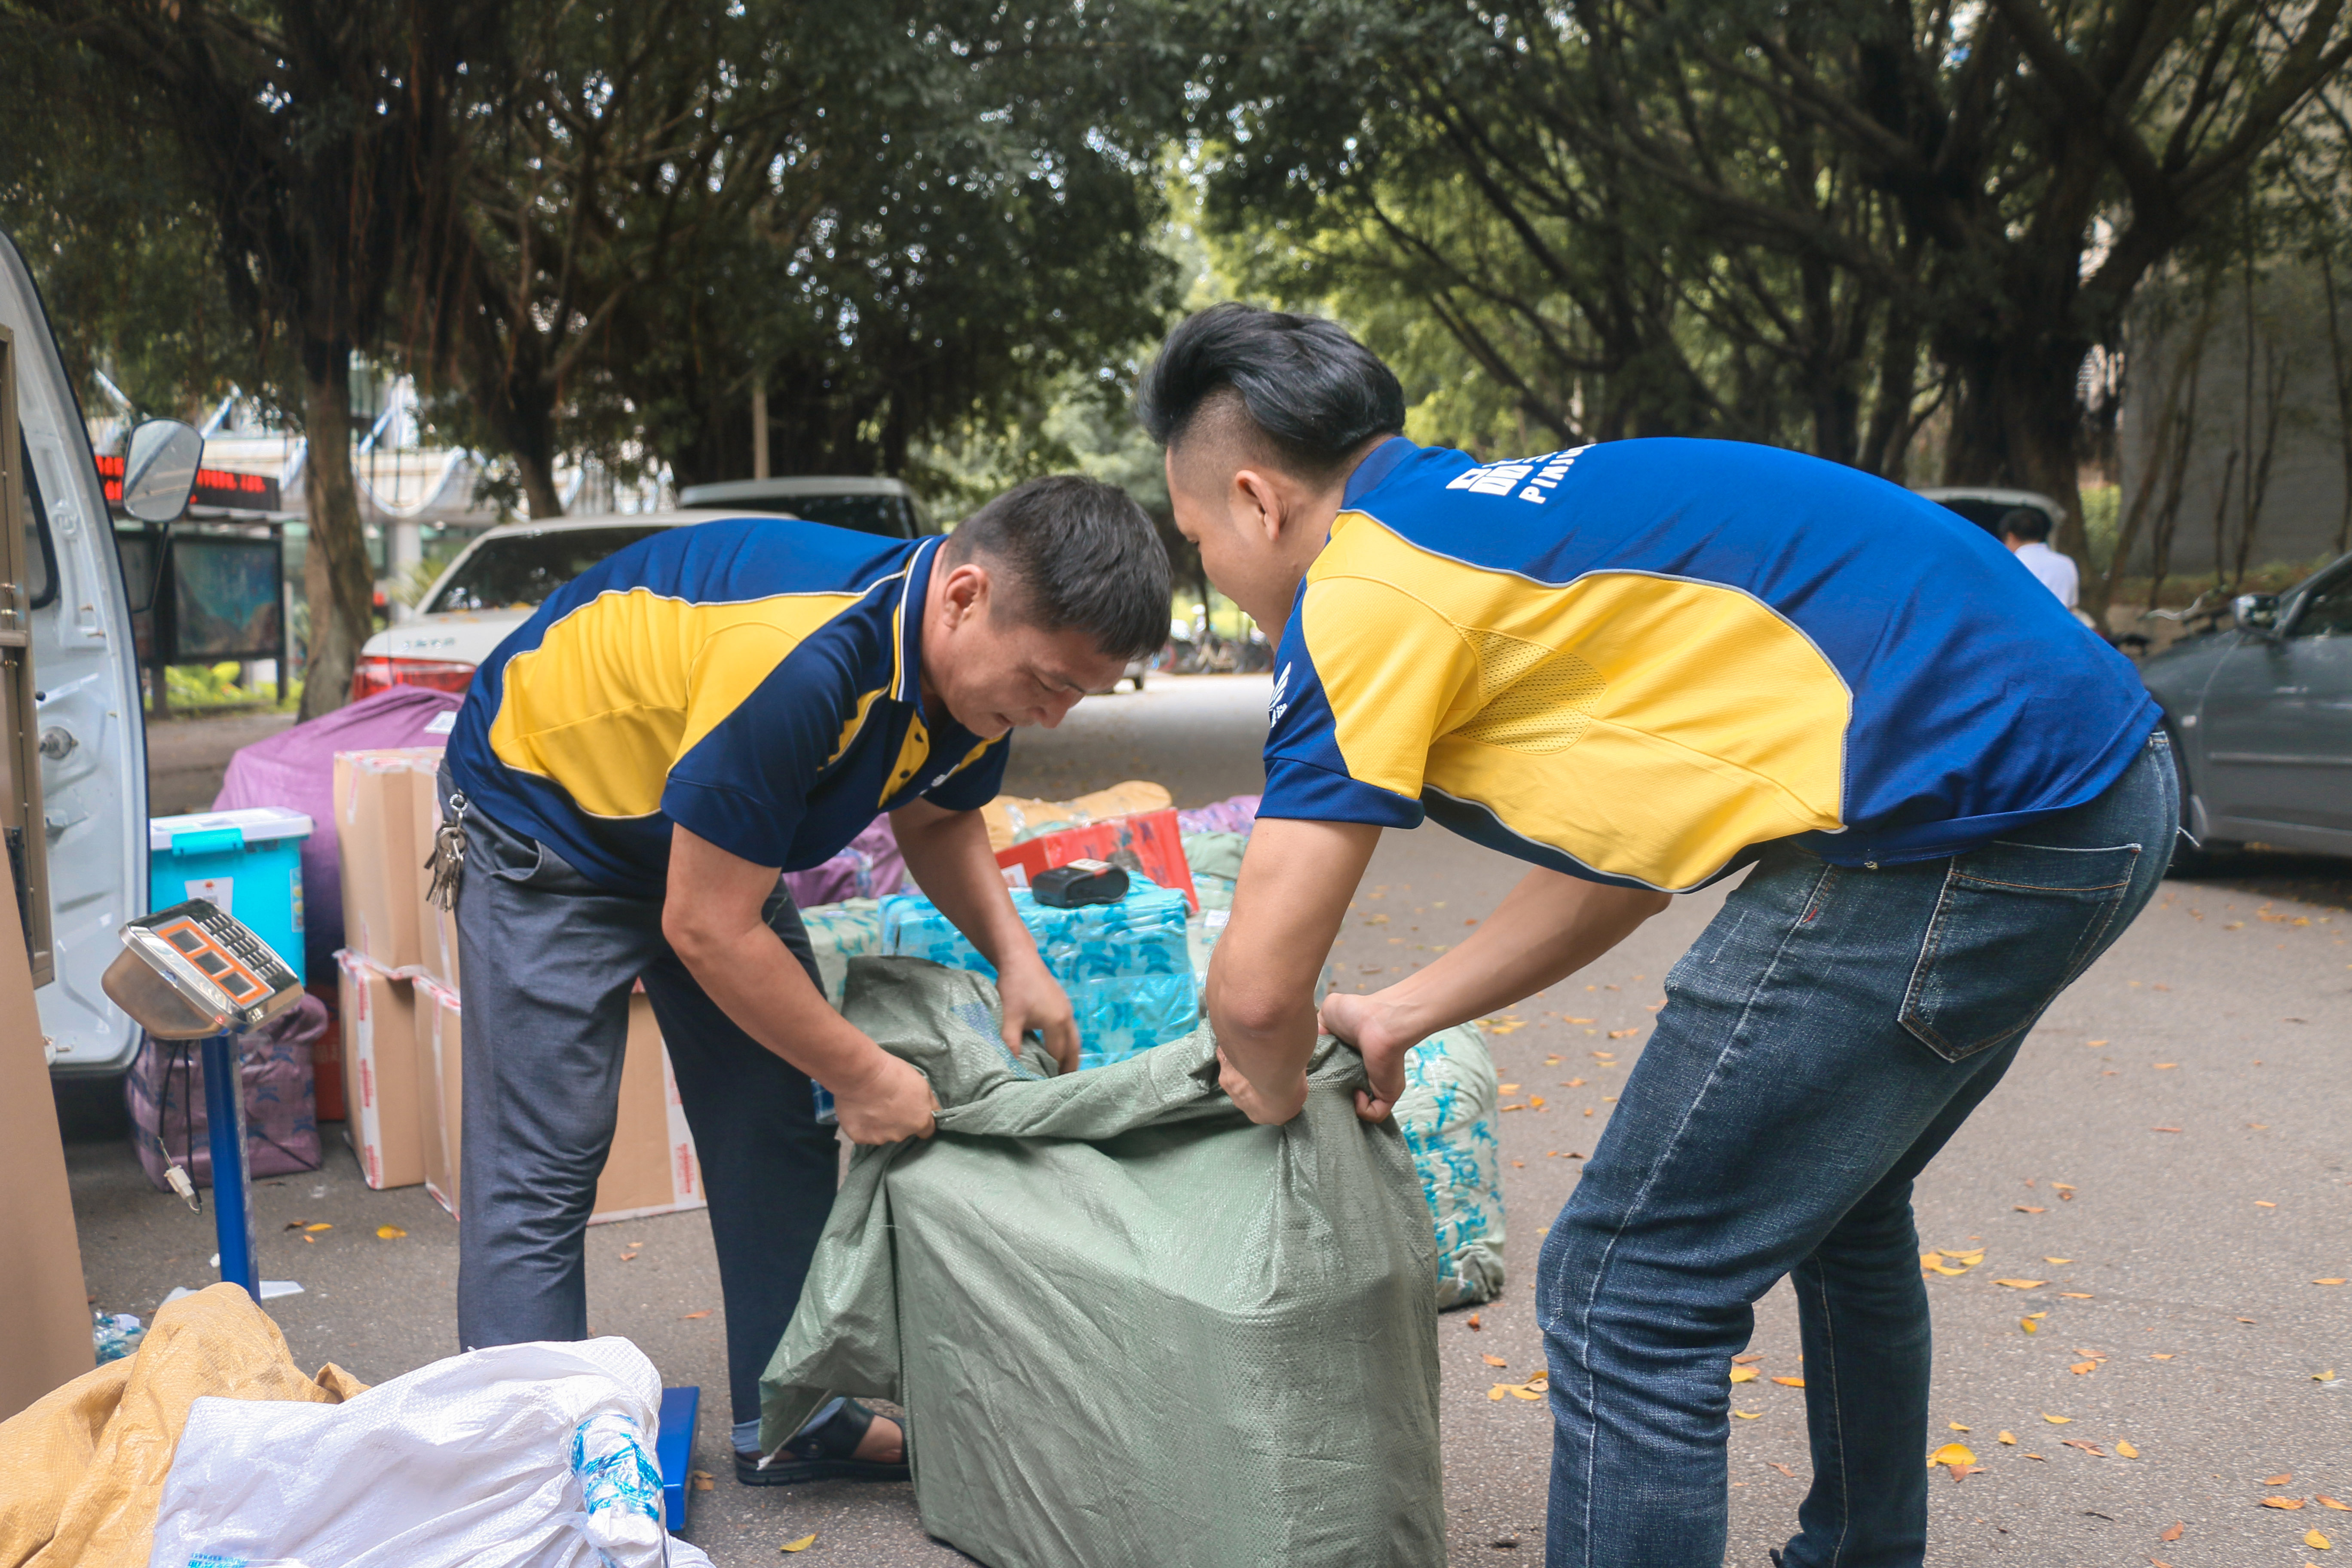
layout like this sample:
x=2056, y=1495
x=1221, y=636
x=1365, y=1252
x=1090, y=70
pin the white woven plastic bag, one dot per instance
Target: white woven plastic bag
x=535, y=1456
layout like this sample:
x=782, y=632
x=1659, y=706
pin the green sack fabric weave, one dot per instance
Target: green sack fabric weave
x=1128, y=1327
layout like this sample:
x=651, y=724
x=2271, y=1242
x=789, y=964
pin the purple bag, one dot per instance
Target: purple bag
x=296, y=768
x=165, y=1092
x=1235, y=814
x=869, y=868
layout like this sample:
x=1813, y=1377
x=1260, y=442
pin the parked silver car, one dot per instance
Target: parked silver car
x=2260, y=711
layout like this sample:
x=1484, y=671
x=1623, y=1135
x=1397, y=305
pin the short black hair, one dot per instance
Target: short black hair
x=1080, y=553
x=2029, y=523
x=1314, y=392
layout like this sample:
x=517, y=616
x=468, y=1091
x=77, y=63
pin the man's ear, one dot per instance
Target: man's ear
x=1259, y=504
x=965, y=593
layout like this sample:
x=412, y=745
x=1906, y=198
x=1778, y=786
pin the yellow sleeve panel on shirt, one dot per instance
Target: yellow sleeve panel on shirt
x=1395, y=671
x=1649, y=726
x=620, y=688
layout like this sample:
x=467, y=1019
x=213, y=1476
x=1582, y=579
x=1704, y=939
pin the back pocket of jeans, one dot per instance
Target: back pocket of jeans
x=2015, y=923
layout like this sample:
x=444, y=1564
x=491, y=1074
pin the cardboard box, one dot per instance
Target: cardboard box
x=380, y=1093
x=44, y=1318
x=375, y=825
x=437, y=928
x=651, y=1168
x=440, y=1087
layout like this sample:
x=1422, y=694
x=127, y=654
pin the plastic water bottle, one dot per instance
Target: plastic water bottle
x=826, y=1116
x=114, y=1335
x=620, y=1487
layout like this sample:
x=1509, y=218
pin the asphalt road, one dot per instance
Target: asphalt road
x=2176, y=1131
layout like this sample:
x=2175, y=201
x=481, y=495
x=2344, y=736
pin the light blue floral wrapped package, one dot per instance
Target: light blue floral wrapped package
x=839, y=933
x=1448, y=1114
x=1126, y=965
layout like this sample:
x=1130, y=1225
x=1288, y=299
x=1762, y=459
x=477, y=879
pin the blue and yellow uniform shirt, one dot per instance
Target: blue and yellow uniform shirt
x=757, y=681
x=1636, y=661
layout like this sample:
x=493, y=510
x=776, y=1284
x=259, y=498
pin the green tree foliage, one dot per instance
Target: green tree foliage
x=124, y=255
x=1809, y=223
x=319, y=136
x=898, y=220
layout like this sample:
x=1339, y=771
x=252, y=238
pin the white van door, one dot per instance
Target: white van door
x=93, y=736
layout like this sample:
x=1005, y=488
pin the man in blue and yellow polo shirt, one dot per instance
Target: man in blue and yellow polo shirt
x=1641, y=668
x=631, y=771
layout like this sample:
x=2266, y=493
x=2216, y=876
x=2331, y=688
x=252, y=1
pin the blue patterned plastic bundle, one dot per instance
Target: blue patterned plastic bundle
x=1126, y=965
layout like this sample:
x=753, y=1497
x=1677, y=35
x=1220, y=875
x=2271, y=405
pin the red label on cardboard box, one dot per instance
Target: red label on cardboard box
x=1150, y=843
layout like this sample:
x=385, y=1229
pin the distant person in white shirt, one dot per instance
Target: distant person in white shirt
x=2026, y=530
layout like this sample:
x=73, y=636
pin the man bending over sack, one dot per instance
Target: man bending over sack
x=632, y=770
x=1643, y=667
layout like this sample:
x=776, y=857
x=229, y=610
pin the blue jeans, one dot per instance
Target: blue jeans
x=1826, y=1036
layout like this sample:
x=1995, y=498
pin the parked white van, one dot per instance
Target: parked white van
x=73, y=743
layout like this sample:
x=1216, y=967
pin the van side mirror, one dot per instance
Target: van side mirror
x=2255, y=613
x=159, y=473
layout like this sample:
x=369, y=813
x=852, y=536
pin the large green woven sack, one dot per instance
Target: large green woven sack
x=1131, y=1329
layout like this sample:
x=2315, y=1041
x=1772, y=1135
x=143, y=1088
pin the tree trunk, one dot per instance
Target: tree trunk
x=2015, y=424
x=337, y=578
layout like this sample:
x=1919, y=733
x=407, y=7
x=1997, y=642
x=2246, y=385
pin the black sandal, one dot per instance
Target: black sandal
x=823, y=1453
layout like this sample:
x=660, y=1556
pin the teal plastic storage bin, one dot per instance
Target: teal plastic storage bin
x=248, y=862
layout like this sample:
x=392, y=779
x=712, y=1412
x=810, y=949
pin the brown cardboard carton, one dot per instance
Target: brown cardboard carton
x=437, y=928
x=375, y=825
x=652, y=1167
x=440, y=1085
x=44, y=1318
x=383, y=1100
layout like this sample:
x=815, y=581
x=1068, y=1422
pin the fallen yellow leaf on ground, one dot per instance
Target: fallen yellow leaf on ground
x=2029, y=1325
x=2315, y=1540
x=1499, y=1390
x=2022, y=1284
x=1790, y=1382
x=320, y=1226
x=802, y=1545
x=2057, y=1420
x=2323, y=1500
x=1748, y=1414
x=1747, y=1356
x=1957, y=1427
x=1526, y=1392
x=2123, y=1448
x=1494, y=1361
x=2008, y=1437
x=692, y=1316
x=2174, y=1533
x=2327, y=1282
x=2327, y=1376
x=2029, y=1208
x=1509, y=1088
x=2084, y=1368
x=1952, y=1454
x=1744, y=1374
x=2072, y=1296
x=2279, y=1481
x=389, y=1232
x=2289, y=1502
x=2060, y=1261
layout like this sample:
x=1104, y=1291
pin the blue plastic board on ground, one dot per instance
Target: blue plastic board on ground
x=673, y=1452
